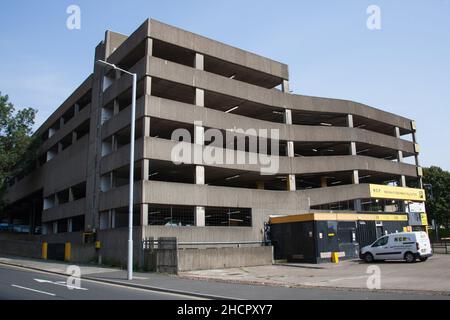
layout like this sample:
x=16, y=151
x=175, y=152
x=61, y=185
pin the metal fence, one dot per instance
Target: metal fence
x=442, y=246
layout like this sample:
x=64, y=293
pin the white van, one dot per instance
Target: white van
x=407, y=246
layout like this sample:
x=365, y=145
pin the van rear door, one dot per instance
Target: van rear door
x=424, y=243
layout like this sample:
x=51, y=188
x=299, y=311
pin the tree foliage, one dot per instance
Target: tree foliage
x=17, y=147
x=437, y=185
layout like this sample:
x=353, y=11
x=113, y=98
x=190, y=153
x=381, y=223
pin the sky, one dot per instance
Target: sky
x=403, y=67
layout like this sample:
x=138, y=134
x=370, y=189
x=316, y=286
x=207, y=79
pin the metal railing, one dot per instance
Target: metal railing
x=219, y=244
x=164, y=243
x=441, y=246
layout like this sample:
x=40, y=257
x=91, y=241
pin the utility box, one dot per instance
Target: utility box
x=314, y=237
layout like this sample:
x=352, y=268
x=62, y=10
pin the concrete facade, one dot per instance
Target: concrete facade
x=329, y=150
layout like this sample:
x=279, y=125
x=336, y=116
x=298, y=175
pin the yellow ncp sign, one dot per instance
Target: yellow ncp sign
x=399, y=193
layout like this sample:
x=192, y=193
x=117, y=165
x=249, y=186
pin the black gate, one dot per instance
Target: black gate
x=56, y=251
x=347, y=239
x=366, y=233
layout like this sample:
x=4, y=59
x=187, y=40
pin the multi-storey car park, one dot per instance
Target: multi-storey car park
x=334, y=156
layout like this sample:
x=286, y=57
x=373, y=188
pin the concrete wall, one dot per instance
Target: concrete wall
x=22, y=245
x=114, y=246
x=217, y=258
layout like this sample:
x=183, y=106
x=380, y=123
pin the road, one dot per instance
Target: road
x=18, y=283
x=24, y=284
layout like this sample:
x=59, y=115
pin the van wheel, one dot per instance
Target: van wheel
x=423, y=259
x=409, y=257
x=368, y=257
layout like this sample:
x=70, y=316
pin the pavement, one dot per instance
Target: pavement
x=104, y=283
x=432, y=276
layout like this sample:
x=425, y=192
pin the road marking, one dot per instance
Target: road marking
x=61, y=283
x=117, y=284
x=34, y=290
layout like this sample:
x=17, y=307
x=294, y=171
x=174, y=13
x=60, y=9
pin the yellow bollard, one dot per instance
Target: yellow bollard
x=44, y=250
x=334, y=257
x=67, y=251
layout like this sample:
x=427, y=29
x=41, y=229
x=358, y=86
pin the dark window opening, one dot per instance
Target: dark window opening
x=63, y=196
x=228, y=217
x=171, y=216
x=170, y=52
x=78, y=223
x=68, y=115
x=79, y=191
x=173, y=91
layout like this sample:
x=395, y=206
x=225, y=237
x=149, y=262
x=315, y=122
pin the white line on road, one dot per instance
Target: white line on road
x=34, y=290
x=61, y=283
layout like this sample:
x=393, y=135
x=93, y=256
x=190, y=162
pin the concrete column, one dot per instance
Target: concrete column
x=199, y=136
x=416, y=155
x=402, y=181
x=148, y=86
x=76, y=108
x=200, y=216
x=285, y=86
x=290, y=179
x=288, y=116
x=61, y=122
x=70, y=195
x=149, y=46
x=260, y=185
x=59, y=147
x=113, y=143
x=69, y=225
x=199, y=139
x=144, y=214
x=145, y=169
x=355, y=173
x=146, y=127
x=290, y=149
x=199, y=62
x=323, y=182
x=353, y=151
x=200, y=175
x=115, y=107
x=199, y=97
x=291, y=183
x=350, y=121
x=74, y=137
x=113, y=218
x=355, y=177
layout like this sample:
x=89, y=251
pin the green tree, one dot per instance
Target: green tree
x=437, y=185
x=17, y=147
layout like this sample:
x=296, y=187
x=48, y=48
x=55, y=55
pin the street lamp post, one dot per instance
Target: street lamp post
x=131, y=195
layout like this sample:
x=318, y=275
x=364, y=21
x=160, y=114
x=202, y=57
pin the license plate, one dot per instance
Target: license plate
x=423, y=250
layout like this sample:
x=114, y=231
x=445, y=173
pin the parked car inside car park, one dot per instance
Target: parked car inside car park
x=407, y=246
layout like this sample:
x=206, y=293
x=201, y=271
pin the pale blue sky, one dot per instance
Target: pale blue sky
x=403, y=68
